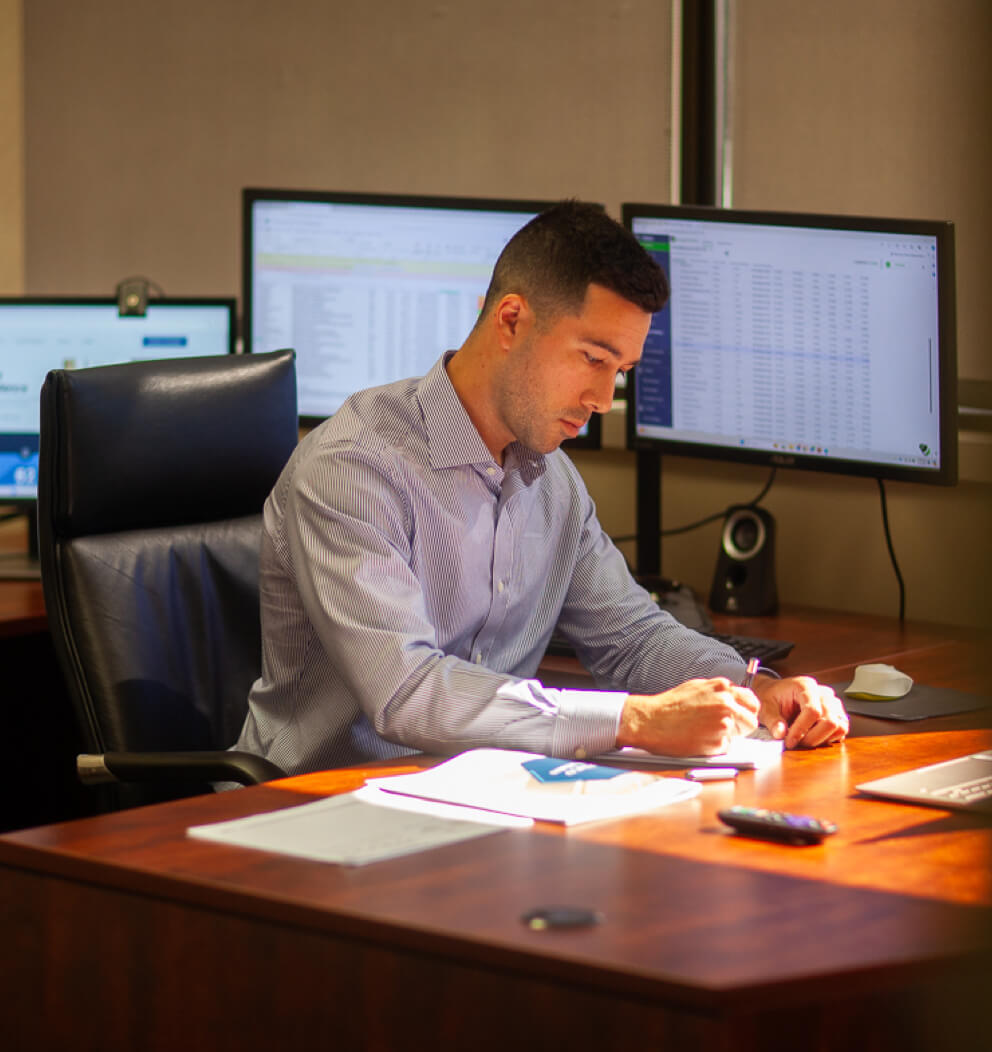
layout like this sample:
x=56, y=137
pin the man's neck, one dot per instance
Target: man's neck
x=468, y=370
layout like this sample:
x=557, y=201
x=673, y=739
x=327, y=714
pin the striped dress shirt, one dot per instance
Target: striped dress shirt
x=410, y=585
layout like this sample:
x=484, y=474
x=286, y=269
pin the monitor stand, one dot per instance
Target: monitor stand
x=648, y=510
x=23, y=565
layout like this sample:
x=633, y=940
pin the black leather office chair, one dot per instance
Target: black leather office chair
x=152, y=477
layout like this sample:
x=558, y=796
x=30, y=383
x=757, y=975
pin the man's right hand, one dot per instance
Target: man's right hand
x=699, y=717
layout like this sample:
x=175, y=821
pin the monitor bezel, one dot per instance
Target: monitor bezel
x=49, y=300
x=252, y=195
x=228, y=302
x=942, y=230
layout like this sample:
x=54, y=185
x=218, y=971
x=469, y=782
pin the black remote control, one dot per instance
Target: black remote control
x=777, y=825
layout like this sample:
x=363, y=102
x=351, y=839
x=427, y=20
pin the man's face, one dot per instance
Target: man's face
x=556, y=377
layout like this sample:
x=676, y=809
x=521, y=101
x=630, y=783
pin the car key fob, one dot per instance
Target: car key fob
x=776, y=825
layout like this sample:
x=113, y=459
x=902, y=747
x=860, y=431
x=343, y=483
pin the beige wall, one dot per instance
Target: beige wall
x=11, y=150
x=146, y=119
x=881, y=107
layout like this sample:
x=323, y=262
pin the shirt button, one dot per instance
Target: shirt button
x=500, y=586
x=478, y=659
x=490, y=471
x=580, y=753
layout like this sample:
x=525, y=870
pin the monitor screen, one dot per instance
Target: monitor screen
x=367, y=289
x=809, y=341
x=40, y=334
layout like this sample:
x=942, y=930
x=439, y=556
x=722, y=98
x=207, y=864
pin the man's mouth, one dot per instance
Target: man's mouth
x=572, y=427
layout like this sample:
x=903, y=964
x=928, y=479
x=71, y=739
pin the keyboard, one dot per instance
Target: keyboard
x=965, y=782
x=765, y=650
x=966, y=793
x=685, y=606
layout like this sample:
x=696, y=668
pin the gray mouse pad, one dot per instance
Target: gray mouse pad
x=918, y=704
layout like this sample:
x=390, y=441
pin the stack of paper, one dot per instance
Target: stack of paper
x=534, y=786
x=475, y=794
x=356, y=828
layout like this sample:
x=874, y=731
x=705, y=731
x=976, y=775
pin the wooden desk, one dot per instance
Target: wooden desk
x=118, y=932
x=22, y=604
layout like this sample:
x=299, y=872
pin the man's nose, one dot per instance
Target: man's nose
x=599, y=397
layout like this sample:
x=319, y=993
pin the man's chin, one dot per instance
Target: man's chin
x=541, y=446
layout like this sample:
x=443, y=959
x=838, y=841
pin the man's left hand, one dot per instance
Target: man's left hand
x=804, y=712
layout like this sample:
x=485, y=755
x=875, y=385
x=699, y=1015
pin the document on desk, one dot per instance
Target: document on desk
x=539, y=787
x=745, y=754
x=357, y=828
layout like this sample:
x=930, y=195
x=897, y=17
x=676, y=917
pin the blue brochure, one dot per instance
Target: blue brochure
x=548, y=769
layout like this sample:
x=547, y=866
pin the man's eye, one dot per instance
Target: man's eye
x=592, y=359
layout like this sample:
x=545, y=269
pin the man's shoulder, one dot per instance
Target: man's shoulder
x=376, y=418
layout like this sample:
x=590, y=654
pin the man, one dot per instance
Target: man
x=423, y=543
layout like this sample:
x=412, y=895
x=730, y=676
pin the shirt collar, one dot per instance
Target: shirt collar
x=452, y=439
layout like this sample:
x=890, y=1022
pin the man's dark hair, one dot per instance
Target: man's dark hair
x=554, y=259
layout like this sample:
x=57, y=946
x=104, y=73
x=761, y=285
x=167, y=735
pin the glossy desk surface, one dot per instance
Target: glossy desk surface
x=708, y=940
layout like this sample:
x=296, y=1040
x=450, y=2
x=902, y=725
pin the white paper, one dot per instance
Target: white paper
x=355, y=828
x=494, y=779
x=744, y=753
x=374, y=795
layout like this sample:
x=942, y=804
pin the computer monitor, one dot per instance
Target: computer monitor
x=800, y=340
x=367, y=288
x=38, y=334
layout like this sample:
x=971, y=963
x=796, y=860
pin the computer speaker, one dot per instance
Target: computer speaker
x=744, y=579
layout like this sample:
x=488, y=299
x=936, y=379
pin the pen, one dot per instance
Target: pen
x=752, y=668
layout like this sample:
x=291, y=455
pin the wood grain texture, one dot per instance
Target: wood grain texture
x=121, y=932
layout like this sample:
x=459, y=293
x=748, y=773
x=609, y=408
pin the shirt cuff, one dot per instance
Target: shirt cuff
x=587, y=722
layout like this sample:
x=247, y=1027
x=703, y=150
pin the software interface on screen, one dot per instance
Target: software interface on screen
x=38, y=337
x=818, y=343
x=366, y=293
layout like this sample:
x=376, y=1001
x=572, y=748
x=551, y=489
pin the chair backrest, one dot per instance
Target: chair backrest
x=152, y=477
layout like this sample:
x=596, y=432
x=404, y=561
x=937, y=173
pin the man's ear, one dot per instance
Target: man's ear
x=512, y=317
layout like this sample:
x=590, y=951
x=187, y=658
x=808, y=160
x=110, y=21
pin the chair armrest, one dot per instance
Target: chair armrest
x=217, y=766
